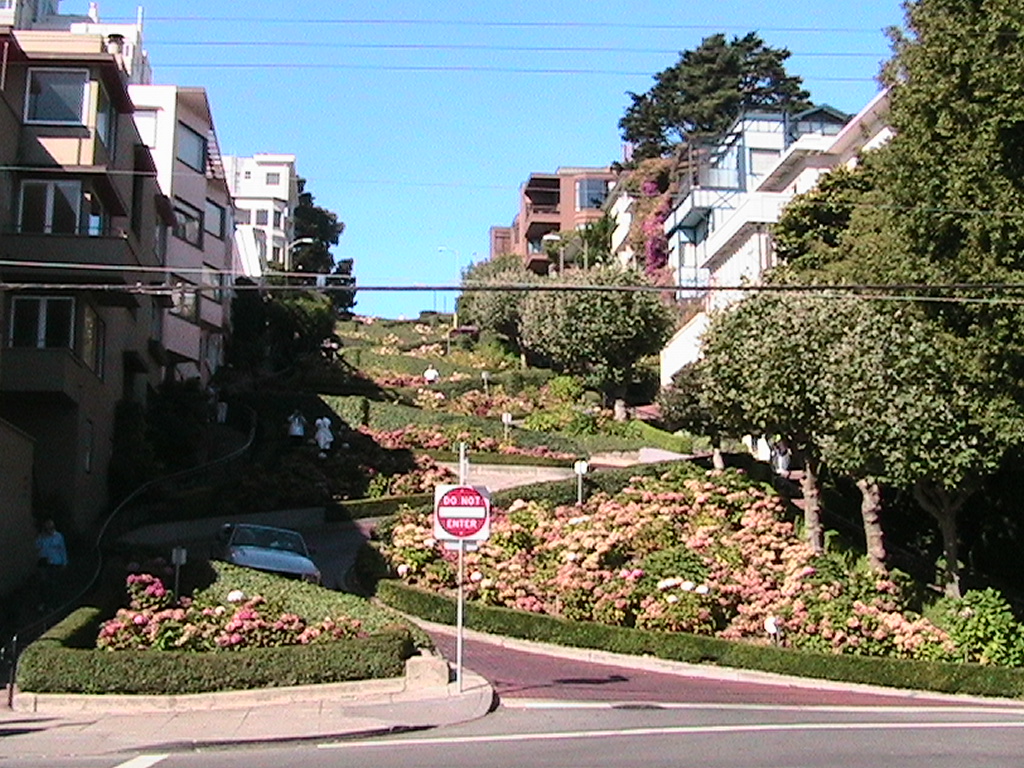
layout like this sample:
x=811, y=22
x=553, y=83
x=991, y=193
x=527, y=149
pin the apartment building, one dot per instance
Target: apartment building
x=567, y=199
x=80, y=222
x=176, y=124
x=265, y=189
x=719, y=230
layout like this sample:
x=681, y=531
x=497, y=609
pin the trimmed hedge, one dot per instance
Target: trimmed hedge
x=58, y=662
x=970, y=679
x=508, y=459
x=392, y=416
x=357, y=509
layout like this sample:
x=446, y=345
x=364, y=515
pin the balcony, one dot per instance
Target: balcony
x=43, y=372
x=71, y=258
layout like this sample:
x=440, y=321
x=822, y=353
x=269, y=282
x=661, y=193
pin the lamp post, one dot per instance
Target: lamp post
x=551, y=238
x=288, y=250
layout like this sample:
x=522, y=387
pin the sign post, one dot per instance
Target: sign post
x=462, y=515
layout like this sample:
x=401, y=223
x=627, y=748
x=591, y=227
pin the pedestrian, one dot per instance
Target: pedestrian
x=297, y=427
x=781, y=458
x=431, y=375
x=52, y=554
x=324, y=436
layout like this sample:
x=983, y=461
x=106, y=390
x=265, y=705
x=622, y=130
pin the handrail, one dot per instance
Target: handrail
x=29, y=630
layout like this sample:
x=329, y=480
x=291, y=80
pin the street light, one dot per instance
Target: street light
x=550, y=238
x=288, y=250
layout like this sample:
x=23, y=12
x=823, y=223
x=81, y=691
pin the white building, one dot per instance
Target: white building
x=177, y=125
x=719, y=232
x=266, y=192
x=123, y=40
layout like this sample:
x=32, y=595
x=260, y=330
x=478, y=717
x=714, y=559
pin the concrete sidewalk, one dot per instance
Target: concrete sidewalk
x=51, y=726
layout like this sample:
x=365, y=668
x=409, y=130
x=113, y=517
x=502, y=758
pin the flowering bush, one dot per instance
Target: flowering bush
x=688, y=551
x=156, y=620
x=448, y=438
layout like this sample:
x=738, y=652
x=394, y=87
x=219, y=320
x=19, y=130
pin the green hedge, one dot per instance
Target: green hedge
x=57, y=663
x=391, y=416
x=970, y=679
x=507, y=459
x=357, y=509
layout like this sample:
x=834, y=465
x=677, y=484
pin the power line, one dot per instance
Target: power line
x=488, y=47
x=251, y=20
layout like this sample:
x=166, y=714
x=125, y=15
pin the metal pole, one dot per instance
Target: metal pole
x=579, y=490
x=12, y=671
x=460, y=616
x=463, y=464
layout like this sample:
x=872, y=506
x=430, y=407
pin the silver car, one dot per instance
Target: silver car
x=265, y=548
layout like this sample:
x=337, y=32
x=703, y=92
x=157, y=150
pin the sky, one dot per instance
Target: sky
x=418, y=122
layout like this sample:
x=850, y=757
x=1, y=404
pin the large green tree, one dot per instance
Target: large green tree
x=708, y=88
x=599, y=334
x=316, y=230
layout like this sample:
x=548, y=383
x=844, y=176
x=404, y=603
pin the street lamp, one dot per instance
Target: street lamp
x=293, y=244
x=550, y=239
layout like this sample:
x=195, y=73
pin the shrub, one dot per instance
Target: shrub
x=983, y=628
x=971, y=679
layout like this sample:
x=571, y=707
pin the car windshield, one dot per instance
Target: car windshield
x=268, y=538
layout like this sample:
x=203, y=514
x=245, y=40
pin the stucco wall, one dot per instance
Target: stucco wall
x=17, y=531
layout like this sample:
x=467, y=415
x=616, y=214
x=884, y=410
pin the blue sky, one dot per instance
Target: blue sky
x=416, y=122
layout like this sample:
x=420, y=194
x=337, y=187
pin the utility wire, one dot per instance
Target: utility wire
x=251, y=20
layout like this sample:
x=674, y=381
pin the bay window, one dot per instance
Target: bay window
x=50, y=207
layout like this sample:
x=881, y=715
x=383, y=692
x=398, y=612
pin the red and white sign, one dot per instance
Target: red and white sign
x=461, y=513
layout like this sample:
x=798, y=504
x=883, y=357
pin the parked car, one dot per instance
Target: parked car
x=265, y=548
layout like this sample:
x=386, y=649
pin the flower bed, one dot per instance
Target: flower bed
x=709, y=553
x=246, y=630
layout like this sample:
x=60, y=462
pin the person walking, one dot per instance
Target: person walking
x=297, y=427
x=52, y=554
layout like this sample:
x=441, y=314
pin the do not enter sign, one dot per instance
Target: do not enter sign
x=461, y=513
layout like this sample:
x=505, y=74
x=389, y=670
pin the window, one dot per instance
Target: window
x=56, y=96
x=42, y=322
x=273, y=179
x=262, y=218
x=243, y=216
x=191, y=148
x=96, y=217
x=762, y=161
x=93, y=340
x=278, y=253
x=591, y=193
x=105, y=122
x=277, y=219
x=247, y=175
x=50, y=207
x=188, y=223
x=146, y=122
x=215, y=219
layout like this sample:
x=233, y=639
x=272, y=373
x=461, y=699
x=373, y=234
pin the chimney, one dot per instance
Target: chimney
x=115, y=44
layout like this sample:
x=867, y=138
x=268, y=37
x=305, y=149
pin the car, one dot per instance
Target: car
x=265, y=548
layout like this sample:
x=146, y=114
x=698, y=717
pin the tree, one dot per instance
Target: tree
x=497, y=311
x=603, y=335
x=762, y=361
x=706, y=90
x=684, y=405
x=907, y=411
x=319, y=225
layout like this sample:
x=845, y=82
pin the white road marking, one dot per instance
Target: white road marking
x=549, y=704
x=143, y=761
x=685, y=730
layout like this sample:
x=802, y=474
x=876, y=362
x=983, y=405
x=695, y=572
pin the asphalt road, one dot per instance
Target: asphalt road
x=698, y=736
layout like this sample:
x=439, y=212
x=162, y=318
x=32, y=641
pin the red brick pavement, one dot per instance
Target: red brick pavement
x=522, y=674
